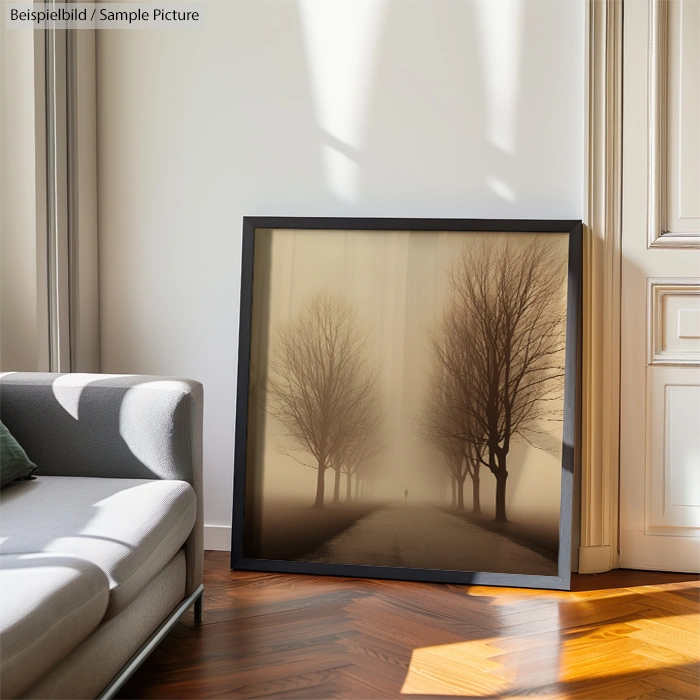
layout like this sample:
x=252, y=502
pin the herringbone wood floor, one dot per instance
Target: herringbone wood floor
x=624, y=634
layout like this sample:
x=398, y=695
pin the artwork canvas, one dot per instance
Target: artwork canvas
x=406, y=399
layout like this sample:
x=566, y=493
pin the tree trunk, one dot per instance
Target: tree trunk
x=336, y=485
x=460, y=492
x=320, y=484
x=453, y=483
x=348, y=488
x=357, y=488
x=476, y=496
x=501, y=498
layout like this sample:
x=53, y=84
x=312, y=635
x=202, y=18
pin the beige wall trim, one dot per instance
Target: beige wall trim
x=41, y=213
x=602, y=292
x=56, y=100
x=82, y=174
x=69, y=146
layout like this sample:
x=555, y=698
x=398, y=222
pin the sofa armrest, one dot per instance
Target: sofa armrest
x=117, y=426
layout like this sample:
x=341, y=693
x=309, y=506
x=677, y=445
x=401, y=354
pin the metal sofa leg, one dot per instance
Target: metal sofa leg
x=199, y=608
x=152, y=642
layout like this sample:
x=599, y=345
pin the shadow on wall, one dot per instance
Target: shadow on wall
x=365, y=108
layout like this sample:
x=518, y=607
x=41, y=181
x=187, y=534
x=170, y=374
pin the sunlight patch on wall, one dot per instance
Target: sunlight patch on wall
x=502, y=189
x=500, y=37
x=341, y=40
x=342, y=173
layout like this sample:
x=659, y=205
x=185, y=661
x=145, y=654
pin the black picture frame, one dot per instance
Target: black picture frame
x=570, y=402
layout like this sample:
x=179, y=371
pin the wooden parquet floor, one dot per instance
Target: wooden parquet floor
x=624, y=634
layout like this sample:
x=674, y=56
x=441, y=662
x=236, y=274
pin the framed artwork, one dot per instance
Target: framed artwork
x=407, y=395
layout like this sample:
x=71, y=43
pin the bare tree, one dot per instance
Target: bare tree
x=357, y=456
x=319, y=379
x=448, y=421
x=363, y=432
x=503, y=338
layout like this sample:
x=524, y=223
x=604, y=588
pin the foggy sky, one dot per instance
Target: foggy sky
x=399, y=283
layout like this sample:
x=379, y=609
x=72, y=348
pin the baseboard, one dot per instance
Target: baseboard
x=217, y=537
x=594, y=560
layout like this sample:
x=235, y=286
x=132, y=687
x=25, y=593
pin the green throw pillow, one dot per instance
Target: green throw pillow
x=14, y=463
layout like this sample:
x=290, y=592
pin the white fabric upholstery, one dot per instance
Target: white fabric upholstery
x=100, y=425
x=130, y=528
x=49, y=603
x=91, y=666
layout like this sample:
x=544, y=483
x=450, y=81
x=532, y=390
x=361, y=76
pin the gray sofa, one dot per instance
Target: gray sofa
x=102, y=552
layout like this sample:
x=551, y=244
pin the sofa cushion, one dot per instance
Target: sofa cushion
x=130, y=528
x=14, y=463
x=50, y=604
x=89, y=668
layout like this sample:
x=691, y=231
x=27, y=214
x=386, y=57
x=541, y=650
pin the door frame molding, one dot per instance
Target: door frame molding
x=658, y=69
x=602, y=291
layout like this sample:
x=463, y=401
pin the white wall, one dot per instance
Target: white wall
x=18, y=254
x=310, y=107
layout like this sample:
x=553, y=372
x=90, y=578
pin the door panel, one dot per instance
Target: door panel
x=674, y=442
x=660, y=362
x=674, y=321
x=683, y=109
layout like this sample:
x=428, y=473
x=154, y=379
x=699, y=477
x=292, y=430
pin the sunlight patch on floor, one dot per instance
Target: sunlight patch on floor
x=465, y=668
x=499, y=665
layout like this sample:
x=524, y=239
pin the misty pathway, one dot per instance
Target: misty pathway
x=427, y=538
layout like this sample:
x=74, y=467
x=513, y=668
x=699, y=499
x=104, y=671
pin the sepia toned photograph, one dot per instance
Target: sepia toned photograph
x=405, y=400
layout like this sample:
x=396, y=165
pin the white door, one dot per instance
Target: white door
x=660, y=403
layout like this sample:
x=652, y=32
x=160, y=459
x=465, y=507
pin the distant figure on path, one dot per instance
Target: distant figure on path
x=405, y=495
